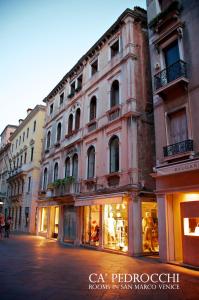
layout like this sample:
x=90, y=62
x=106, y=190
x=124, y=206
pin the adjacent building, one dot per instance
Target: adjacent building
x=23, y=180
x=4, y=166
x=96, y=188
x=173, y=39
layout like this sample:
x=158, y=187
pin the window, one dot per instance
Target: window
x=26, y=216
x=29, y=184
x=21, y=160
x=25, y=157
x=34, y=126
x=17, y=161
x=114, y=48
x=32, y=154
x=70, y=124
x=19, y=140
x=27, y=133
x=56, y=170
x=72, y=88
x=79, y=83
x=114, y=154
x=91, y=162
x=67, y=167
x=58, y=132
x=12, y=147
x=51, y=109
x=77, y=119
x=115, y=93
x=178, y=126
x=172, y=55
x=45, y=179
x=16, y=143
x=94, y=67
x=48, y=140
x=61, y=99
x=75, y=166
x=93, y=108
x=23, y=136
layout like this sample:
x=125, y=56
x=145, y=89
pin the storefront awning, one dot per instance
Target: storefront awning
x=104, y=199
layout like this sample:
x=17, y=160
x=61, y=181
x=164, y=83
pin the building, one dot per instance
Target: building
x=4, y=166
x=173, y=39
x=24, y=174
x=96, y=188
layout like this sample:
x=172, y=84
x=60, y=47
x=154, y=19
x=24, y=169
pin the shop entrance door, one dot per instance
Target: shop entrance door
x=149, y=227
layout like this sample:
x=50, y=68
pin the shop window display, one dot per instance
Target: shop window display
x=56, y=223
x=91, y=225
x=149, y=227
x=116, y=227
x=191, y=226
x=44, y=212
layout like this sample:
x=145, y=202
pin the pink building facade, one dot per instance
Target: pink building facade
x=173, y=40
x=98, y=152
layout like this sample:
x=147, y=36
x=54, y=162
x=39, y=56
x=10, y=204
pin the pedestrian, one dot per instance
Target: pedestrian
x=2, y=225
x=7, y=227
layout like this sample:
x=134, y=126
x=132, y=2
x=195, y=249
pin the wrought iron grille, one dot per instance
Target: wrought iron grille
x=174, y=71
x=181, y=147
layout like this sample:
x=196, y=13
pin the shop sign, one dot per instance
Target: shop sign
x=184, y=167
x=101, y=201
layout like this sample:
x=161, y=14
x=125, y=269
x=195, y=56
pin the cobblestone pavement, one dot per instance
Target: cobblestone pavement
x=36, y=268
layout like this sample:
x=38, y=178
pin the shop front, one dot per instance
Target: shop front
x=178, y=207
x=106, y=226
x=119, y=223
x=48, y=224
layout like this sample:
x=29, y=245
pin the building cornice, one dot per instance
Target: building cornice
x=27, y=119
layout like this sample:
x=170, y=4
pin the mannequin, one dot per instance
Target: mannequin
x=111, y=227
x=95, y=232
x=147, y=227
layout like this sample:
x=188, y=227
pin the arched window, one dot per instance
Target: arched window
x=115, y=93
x=75, y=166
x=45, y=174
x=91, y=162
x=48, y=140
x=70, y=124
x=93, y=108
x=58, y=132
x=67, y=167
x=77, y=119
x=56, y=170
x=114, y=154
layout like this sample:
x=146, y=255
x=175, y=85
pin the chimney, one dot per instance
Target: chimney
x=20, y=121
x=29, y=110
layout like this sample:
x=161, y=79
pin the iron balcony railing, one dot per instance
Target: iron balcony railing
x=181, y=147
x=67, y=188
x=171, y=73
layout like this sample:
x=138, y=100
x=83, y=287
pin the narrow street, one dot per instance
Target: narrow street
x=37, y=268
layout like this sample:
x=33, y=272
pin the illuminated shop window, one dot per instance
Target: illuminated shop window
x=116, y=226
x=44, y=214
x=91, y=225
x=191, y=226
x=149, y=227
x=56, y=221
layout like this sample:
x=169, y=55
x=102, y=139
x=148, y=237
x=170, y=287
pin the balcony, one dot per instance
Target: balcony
x=114, y=113
x=67, y=189
x=170, y=76
x=178, y=148
x=92, y=125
